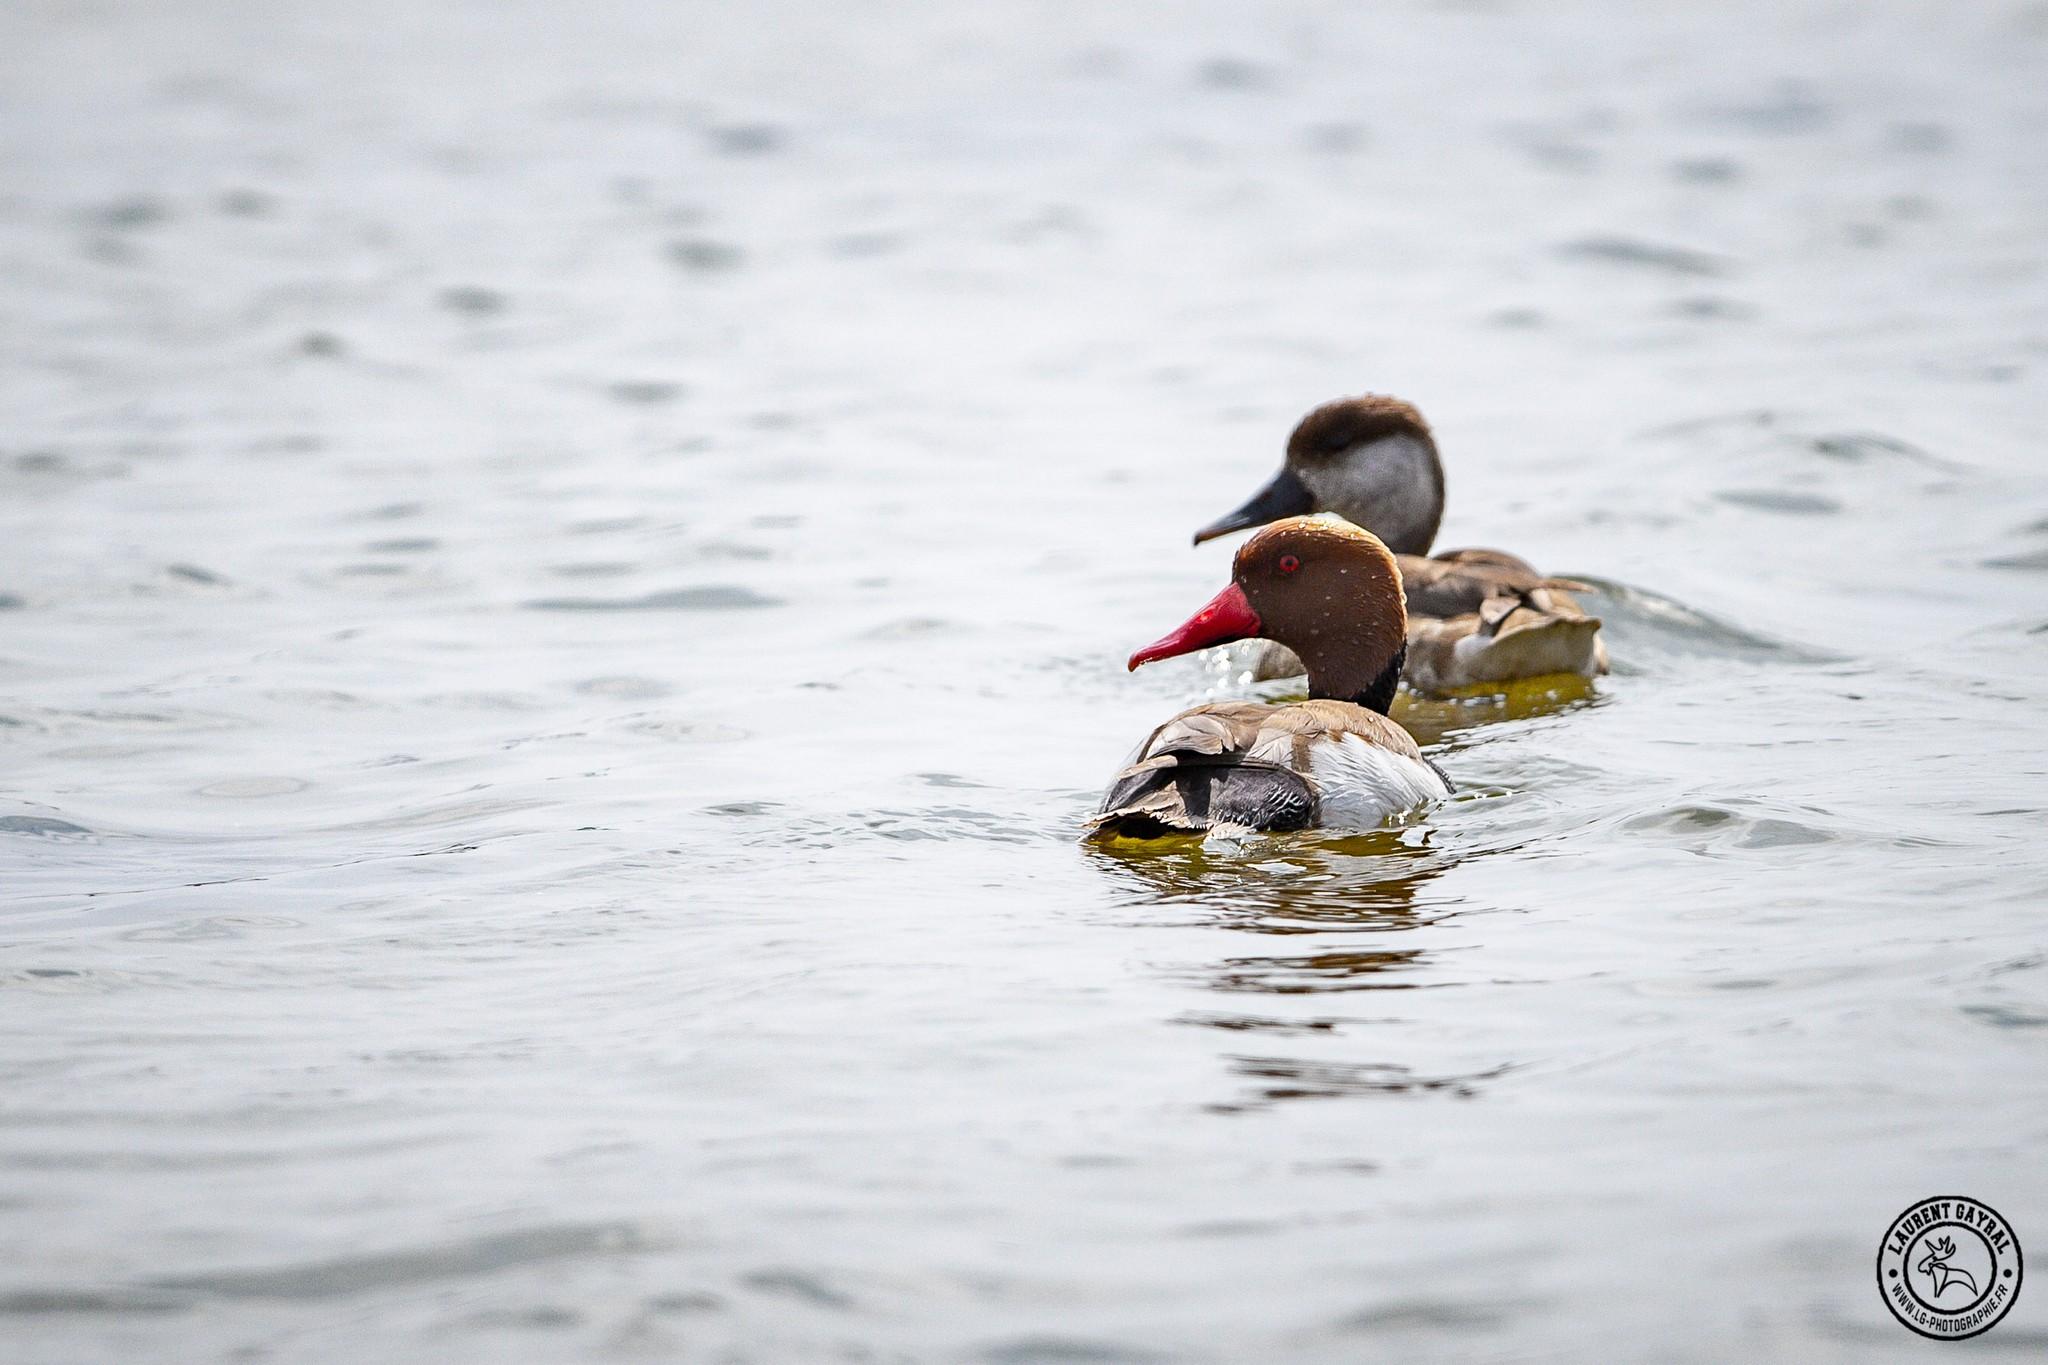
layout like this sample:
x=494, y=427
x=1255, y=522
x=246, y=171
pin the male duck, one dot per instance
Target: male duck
x=1332, y=593
x=1474, y=616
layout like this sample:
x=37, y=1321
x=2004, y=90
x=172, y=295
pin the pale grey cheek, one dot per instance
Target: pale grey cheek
x=1353, y=494
x=1386, y=488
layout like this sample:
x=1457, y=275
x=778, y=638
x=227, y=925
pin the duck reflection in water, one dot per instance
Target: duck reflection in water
x=1356, y=898
x=1294, y=884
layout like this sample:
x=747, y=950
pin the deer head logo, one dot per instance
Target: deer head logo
x=1934, y=1265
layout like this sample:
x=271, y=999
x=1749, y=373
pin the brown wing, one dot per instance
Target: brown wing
x=1485, y=559
x=1456, y=583
x=1460, y=581
x=1307, y=721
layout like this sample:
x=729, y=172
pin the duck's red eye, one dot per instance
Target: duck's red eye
x=1288, y=563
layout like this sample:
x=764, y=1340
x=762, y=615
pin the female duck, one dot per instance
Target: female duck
x=1331, y=593
x=1474, y=616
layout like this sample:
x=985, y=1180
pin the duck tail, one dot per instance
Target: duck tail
x=1529, y=634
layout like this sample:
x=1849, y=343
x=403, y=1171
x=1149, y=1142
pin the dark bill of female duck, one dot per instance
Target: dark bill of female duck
x=1331, y=592
x=1285, y=496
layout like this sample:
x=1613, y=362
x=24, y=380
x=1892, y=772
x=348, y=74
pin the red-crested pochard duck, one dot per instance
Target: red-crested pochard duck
x=1332, y=593
x=1475, y=617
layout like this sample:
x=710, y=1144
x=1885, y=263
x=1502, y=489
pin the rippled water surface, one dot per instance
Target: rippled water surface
x=563, y=581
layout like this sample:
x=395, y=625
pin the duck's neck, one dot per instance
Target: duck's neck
x=1392, y=486
x=1344, y=680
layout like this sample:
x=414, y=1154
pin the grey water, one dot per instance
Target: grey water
x=563, y=579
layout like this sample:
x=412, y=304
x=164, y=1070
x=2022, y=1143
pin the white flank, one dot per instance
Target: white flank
x=1362, y=784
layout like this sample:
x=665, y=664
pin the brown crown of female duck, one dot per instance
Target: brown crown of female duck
x=1370, y=460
